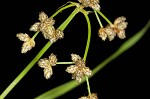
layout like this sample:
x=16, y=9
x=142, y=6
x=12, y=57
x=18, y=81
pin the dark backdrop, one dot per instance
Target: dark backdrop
x=125, y=77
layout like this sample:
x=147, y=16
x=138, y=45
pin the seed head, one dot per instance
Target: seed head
x=110, y=31
x=28, y=44
x=47, y=64
x=79, y=70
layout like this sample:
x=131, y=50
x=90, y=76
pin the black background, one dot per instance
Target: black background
x=125, y=77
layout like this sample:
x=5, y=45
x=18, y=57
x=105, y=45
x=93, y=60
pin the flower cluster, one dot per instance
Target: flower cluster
x=94, y=4
x=91, y=96
x=47, y=64
x=46, y=27
x=110, y=31
x=79, y=70
x=28, y=44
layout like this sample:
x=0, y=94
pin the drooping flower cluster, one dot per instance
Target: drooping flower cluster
x=46, y=27
x=110, y=31
x=79, y=70
x=28, y=44
x=94, y=4
x=47, y=64
x=91, y=96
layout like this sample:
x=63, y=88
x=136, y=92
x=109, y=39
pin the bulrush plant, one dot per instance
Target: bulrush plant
x=78, y=69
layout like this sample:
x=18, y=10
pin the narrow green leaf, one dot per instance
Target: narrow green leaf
x=64, y=88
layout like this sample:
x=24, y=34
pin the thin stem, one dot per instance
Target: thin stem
x=88, y=85
x=37, y=57
x=65, y=63
x=104, y=17
x=100, y=23
x=61, y=9
x=35, y=35
x=89, y=34
x=87, y=46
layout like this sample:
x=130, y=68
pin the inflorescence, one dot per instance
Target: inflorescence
x=78, y=69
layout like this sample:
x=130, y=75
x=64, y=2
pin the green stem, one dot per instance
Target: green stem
x=89, y=35
x=37, y=57
x=35, y=35
x=98, y=19
x=104, y=17
x=61, y=9
x=88, y=85
x=65, y=63
x=87, y=46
